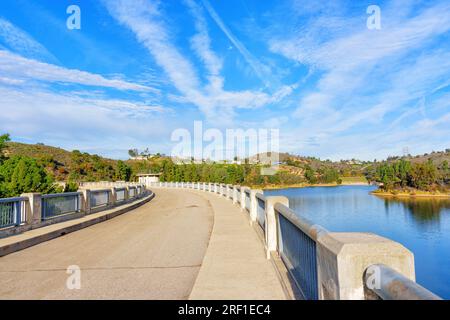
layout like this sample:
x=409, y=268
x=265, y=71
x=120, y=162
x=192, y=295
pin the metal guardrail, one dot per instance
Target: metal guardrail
x=55, y=205
x=13, y=211
x=297, y=248
x=100, y=198
x=388, y=284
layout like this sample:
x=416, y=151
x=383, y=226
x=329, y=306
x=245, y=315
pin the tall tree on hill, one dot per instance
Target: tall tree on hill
x=3, y=139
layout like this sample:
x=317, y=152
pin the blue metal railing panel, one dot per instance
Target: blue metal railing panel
x=120, y=195
x=12, y=212
x=100, y=198
x=131, y=192
x=298, y=252
x=54, y=205
x=261, y=212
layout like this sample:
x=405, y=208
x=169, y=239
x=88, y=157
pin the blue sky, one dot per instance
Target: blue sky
x=139, y=69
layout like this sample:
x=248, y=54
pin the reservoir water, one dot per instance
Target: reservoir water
x=421, y=225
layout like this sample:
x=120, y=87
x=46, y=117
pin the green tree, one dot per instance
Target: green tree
x=123, y=171
x=310, y=174
x=133, y=153
x=423, y=175
x=23, y=174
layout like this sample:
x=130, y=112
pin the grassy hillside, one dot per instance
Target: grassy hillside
x=437, y=157
x=77, y=166
x=63, y=164
x=38, y=151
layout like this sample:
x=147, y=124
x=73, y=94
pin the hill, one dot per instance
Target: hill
x=76, y=166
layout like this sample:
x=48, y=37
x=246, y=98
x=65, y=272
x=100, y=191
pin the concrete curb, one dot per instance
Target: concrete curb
x=7, y=247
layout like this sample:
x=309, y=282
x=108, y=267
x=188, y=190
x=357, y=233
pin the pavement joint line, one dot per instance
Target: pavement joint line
x=103, y=268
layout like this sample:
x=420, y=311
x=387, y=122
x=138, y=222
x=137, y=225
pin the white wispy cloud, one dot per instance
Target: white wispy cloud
x=22, y=43
x=82, y=122
x=260, y=70
x=201, y=42
x=15, y=67
x=145, y=19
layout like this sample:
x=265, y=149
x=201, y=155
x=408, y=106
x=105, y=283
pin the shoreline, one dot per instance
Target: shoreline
x=409, y=195
x=375, y=193
x=298, y=186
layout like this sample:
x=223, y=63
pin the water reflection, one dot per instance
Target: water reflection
x=423, y=210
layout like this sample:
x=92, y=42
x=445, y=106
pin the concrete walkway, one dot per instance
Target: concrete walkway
x=235, y=266
x=183, y=244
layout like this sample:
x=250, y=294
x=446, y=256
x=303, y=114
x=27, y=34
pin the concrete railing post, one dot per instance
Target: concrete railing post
x=254, y=204
x=113, y=197
x=86, y=200
x=127, y=193
x=34, y=207
x=342, y=259
x=243, y=197
x=271, y=223
x=234, y=196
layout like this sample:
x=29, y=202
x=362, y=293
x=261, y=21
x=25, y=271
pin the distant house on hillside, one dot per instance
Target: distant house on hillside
x=147, y=178
x=140, y=158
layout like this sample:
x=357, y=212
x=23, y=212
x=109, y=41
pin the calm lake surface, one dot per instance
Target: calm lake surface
x=421, y=225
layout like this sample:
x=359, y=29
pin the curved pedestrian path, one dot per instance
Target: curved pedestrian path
x=182, y=244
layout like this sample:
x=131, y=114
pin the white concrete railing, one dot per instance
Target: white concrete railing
x=321, y=264
x=35, y=210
